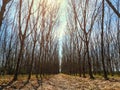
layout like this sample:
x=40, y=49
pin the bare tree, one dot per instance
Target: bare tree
x=22, y=36
x=113, y=8
x=3, y=10
x=84, y=27
x=102, y=42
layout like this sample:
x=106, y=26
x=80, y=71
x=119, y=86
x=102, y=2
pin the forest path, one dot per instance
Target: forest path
x=67, y=82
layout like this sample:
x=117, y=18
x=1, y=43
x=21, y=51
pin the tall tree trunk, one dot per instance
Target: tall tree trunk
x=102, y=42
x=18, y=61
x=118, y=31
x=31, y=64
x=5, y=2
x=79, y=64
x=83, y=65
x=113, y=8
x=89, y=63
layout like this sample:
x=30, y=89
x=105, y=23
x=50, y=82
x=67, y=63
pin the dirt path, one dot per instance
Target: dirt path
x=66, y=82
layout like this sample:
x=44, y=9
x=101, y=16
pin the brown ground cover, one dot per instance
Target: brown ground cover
x=63, y=82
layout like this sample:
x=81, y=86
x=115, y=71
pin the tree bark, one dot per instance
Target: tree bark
x=113, y=8
x=3, y=9
x=102, y=42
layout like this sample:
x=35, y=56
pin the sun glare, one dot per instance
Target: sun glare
x=54, y=1
x=59, y=33
x=48, y=2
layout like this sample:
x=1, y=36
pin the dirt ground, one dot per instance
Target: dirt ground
x=66, y=82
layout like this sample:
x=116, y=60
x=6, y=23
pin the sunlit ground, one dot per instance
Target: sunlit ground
x=63, y=81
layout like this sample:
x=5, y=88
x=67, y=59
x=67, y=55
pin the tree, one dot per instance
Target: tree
x=113, y=8
x=22, y=36
x=102, y=42
x=3, y=10
x=85, y=28
x=34, y=38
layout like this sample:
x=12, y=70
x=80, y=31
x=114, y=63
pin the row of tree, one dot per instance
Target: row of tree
x=92, y=41
x=27, y=41
x=28, y=44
